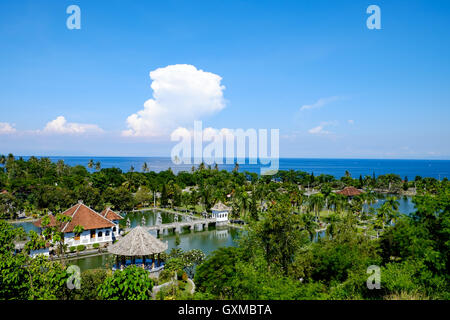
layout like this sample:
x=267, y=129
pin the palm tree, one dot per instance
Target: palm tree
x=332, y=219
x=392, y=202
x=236, y=167
x=316, y=203
x=244, y=201
x=387, y=213
x=2, y=159
x=145, y=167
x=90, y=164
x=369, y=198
x=309, y=224
x=97, y=166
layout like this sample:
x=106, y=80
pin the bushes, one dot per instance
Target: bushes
x=72, y=249
x=81, y=247
x=96, y=245
x=133, y=283
x=91, y=280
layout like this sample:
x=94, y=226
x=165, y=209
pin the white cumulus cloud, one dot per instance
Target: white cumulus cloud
x=61, y=126
x=6, y=128
x=320, y=103
x=181, y=94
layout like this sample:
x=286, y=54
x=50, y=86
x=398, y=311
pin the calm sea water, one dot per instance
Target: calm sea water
x=405, y=168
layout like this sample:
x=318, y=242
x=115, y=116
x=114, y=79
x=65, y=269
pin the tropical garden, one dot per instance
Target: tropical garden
x=302, y=240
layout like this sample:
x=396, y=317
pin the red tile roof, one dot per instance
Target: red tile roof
x=350, y=192
x=111, y=215
x=83, y=216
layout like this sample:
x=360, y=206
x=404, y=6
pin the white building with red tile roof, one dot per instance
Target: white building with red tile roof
x=98, y=227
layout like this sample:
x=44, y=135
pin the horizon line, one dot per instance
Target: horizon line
x=246, y=158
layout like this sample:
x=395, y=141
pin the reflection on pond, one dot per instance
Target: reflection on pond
x=207, y=240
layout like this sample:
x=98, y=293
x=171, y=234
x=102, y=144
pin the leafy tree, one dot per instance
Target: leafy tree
x=215, y=275
x=133, y=283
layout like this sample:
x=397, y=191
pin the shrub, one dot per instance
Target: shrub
x=72, y=249
x=81, y=247
x=90, y=280
x=184, y=277
x=96, y=245
x=133, y=283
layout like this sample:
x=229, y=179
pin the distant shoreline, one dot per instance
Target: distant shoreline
x=409, y=168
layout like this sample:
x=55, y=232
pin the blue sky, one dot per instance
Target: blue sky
x=371, y=93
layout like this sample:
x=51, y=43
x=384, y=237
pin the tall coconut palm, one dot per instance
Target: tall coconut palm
x=98, y=166
x=369, y=198
x=309, y=224
x=91, y=164
x=145, y=167
x=316, y=203
x=392, y=202
x=244, y=201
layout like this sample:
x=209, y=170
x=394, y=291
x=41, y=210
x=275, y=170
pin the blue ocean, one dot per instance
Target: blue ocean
x=438, y=169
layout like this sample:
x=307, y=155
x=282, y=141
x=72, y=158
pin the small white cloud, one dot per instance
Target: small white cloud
x=351, y=122
x=181, y=94
x=319, y=103
x=320, y=128
x=61, y=126
x=6, y=128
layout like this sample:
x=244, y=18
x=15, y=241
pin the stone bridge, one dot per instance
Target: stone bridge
x=200, y=224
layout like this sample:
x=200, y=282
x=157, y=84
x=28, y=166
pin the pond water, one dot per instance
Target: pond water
x=405, y=204
x=206, y=240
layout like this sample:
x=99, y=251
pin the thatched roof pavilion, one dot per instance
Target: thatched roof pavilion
x=138, y=242
x=350, y=192
x=220, y=207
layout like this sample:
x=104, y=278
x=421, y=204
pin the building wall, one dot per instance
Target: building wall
x=220, y=215
x=117, y=232
x=34, y=253
x=85, y=237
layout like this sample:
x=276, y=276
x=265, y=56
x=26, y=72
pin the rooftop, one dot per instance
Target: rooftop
x=81, y=215
x=138, y=242
x=220, y=207
x=350, y=192
x=111, y=215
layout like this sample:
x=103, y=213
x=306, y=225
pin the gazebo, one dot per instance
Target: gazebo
x=138, y=247
x=350, y=192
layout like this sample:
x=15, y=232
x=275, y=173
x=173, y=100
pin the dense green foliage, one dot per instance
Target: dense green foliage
x=133, y=283
x=274, y=260
x=38, y=185
x=23, y=277
x=278, y=257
